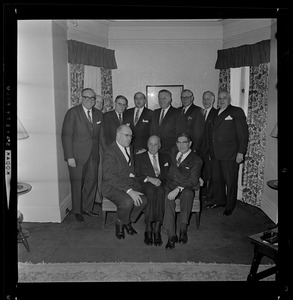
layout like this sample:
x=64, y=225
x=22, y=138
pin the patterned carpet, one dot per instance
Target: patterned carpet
x=133, y=272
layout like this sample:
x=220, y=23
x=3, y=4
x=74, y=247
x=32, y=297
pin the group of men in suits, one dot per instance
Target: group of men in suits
x=150, y=158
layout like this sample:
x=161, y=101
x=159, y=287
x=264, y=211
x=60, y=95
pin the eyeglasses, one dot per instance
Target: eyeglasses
x=89, y=98
x=183, y=142
x=185, y=98
x=121, y=104
x=127, y=135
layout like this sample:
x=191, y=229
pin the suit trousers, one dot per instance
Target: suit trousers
x=83, y=179
x=127, y=212
x=225, y=182
x=206, y=189
x=154, y=211
x=186, y=201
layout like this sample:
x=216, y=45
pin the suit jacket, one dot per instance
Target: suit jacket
x=204, y=149
x=116, y=171
x=195, y=125
x=141, y=130
x=228, y=134
x=111, y=124
x=80, y=138
x=187, y=174
x=143, y=166
x=172, y=124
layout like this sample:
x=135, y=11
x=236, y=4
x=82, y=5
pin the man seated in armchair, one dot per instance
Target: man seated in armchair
x=183, y=179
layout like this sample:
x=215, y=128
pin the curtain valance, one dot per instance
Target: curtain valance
x=90, y=55
x=245, y=55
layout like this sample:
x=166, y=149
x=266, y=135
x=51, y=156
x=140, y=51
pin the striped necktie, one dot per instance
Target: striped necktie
x=205, y=114
x=129, y=160
x=136, y=117
x=179, y=159
x=89, y=116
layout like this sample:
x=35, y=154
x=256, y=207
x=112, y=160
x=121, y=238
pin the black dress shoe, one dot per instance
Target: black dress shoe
x=171, y=242
x=183, y=237
x=79, y=218
x=91, y=213
x=120, y=231
x=158, y=239
x=227, y=212
x=129, y=229
x=148, y=238
x=214, y=205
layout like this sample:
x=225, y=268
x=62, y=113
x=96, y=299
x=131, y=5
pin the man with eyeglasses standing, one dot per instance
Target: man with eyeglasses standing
x=194, y=118
x=120, y=184
x=182, y=182
x=114, y=118
x=82, y=139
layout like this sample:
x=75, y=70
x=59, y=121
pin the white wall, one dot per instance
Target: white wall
x=165, y=55
x=37, y=155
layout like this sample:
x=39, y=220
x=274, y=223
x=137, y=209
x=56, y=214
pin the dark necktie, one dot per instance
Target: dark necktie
x=129, y=160
x=162, y=116
x=205, y=114
x=179, y=159
x=89, y=116
x=155, y=165
x=120, y=118
x=136, y=117
x=183, y=111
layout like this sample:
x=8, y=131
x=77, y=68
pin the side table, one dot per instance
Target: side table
x=263, y=248
x=22, y=188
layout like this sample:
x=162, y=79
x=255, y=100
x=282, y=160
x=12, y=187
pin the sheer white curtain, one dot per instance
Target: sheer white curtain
x=239, y=89
x=92, y=78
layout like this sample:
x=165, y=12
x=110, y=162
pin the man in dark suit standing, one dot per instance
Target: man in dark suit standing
x=114, y=118
x=120, y=185
x=139, y=119
x=151, y=169
x=82, y=135
x=194, y=118
x=208, y=100
x=182, y=182
x=167, y=122
x=228, y=140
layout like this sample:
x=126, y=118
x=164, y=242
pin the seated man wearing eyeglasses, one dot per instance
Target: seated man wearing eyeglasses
x=182, y=182
x=119, y=183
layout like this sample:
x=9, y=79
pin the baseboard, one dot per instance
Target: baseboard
x=270, y=210
x=65, y=206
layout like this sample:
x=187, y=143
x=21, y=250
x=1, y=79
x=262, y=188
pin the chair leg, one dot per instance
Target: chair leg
x=197, y=215
x=22, y=239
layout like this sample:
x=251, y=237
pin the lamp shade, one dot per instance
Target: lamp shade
x=21, y=132
x=274, y=132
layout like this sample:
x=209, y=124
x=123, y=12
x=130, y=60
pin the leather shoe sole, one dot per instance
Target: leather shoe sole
x=215, y=205
x=158, y=239
x=171, y=242
x=91, y=213
x=148, y=238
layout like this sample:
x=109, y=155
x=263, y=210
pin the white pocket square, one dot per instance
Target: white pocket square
x=187, y=168
x=128, y=124
x=131, y=175
x=98, y=122
x=166, y=164
x=229, y=118
x=145, y=121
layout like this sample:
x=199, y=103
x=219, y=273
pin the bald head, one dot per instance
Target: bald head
x=154, y=144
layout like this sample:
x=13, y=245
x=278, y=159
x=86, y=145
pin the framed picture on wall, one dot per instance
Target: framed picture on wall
x=153, y=90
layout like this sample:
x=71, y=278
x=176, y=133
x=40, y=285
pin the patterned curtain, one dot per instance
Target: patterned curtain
x=76, y=83
x=253, y=173
x=107, y=89
x=224, y=80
